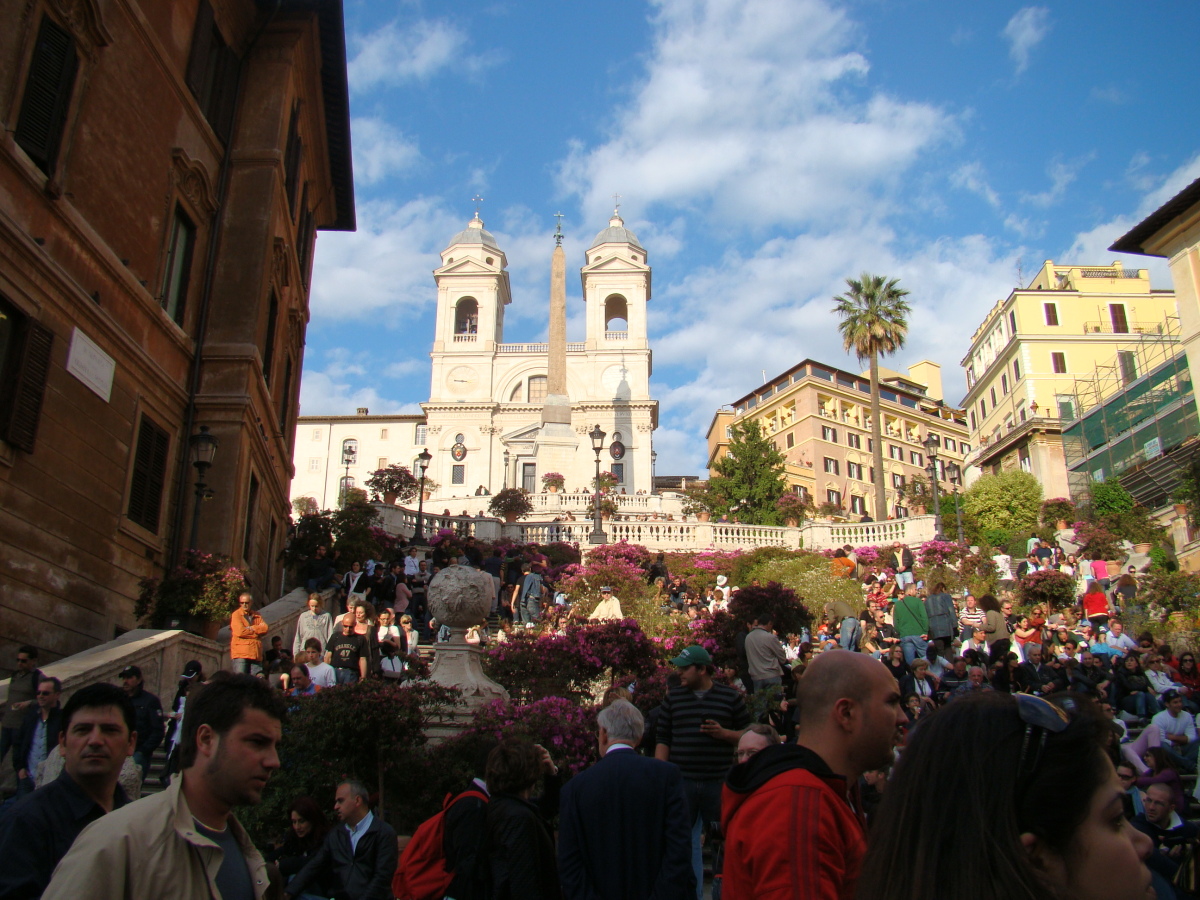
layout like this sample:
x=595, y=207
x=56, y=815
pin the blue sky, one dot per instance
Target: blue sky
x=764, y=150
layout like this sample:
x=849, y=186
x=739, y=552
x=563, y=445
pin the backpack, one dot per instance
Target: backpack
x=421, y=873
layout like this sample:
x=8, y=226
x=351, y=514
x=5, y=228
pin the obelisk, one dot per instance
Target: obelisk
x=556, y=442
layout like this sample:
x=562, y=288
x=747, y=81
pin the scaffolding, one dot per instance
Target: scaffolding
x=1133, y=419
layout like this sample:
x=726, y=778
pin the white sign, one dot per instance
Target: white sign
x=91, y=365
x=1152, y=448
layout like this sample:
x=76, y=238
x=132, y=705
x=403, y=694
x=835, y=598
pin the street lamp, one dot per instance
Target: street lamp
x=507, y=456
x=423, y=459
x=597, y=536
x=954, y=473
x=202, y=447
x=653, y=468
x=931, y=448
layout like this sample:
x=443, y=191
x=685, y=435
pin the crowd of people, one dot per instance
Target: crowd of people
x=810, y=765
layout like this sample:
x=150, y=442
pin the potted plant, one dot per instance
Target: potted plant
x=698, y=501
x=793, y=508
x=608, y=507
x=829, y=510
x=510, y=504
x=1097, y=541
x=553, y=481
x=1176, y=592
x=429, y=487
x=1048, y=587
x=199, y=595
x=1059, y=510
x=607, y=481
x=395, y=482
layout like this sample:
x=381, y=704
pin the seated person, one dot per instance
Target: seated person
x=1172, y=836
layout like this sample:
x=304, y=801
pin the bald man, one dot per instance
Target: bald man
x=793, y=825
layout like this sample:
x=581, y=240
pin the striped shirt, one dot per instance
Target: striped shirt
x=699, y=756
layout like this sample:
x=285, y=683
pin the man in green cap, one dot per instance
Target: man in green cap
x=698, y=729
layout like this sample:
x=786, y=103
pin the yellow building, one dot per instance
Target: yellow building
x=1026, y=355
x=819, y=418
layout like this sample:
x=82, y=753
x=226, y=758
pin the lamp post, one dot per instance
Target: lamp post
x=202, y=447
x=931, y=448
x=653, y=468
x=423, y=459
x=507, y=457
x=954, y=473
x=597, y=536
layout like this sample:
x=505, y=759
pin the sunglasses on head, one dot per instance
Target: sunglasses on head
x=1042, y=719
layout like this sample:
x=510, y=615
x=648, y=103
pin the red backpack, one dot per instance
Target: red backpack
x=421, y=873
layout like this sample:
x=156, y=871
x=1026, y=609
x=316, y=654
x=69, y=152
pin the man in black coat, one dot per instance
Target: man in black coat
x=148, y=717
x=361, y=851
x=624, y=829
x=39, y=733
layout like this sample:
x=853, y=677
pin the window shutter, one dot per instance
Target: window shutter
x=32, y=371
x=149, y=475
x=224, y=92
x=47, y=92
x=198, y=63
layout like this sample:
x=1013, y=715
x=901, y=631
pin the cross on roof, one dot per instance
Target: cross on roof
x=616, y=204
x=477, y=200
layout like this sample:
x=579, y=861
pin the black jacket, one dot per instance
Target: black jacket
x=465, y=826
x=365, y=873
x=521, y=857
x=147, y=713
x=25, y=735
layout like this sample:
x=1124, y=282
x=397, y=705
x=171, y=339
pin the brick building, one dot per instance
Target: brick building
x=163, y=170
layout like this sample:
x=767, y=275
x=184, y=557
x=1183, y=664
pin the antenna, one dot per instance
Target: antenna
x=1020, y=273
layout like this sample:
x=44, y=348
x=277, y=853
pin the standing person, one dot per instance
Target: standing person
x=314, y=622
x=791, y=816
x=520, y=846
x=321, y=673
x=361, y=853
x=419, y=584
x=697, y=729
x=765, y=656
x=185, y=842
x=38, y=734
x=193, y=674
x=148, y=717
x=22, y=689
x=940, y=611
x=354, y=582
x=529, y=597
x=347, y=653
x=97, y=736
x=1075, y=846
x=1096, y=605
x=901, y=559
x=318, y=572
x=628, y=808
x=912, y=624
x=381, y=590
x=995, y=627
x=493, y=566
x=246, y=629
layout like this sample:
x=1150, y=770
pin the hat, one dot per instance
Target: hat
x=694, y=655
x=606, y=590
x=1103, y=630
x=722, y=581
x=130, y=671
x=192, y=669
x=1170, y=695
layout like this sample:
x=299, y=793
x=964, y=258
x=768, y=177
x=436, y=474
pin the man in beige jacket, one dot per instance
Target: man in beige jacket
x=185, y=843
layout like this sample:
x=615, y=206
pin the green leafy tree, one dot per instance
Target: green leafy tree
x=1110, y=498
x=1009, y=502
x=874, y=323
x=749, y=479
x=351, y=526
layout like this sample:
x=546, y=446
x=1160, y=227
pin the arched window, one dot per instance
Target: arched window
x=518, y=393
x=537, y=388
x=466, y=316
x=349, y=452
x=616, y=314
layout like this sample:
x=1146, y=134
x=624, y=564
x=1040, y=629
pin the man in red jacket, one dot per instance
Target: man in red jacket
x=792, y=822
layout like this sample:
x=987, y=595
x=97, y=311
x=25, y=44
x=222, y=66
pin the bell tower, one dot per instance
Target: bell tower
x=616, y=289
x=473, y=290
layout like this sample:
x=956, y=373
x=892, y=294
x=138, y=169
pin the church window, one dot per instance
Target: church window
x=466, y=316
x=618, y=469
x=419, y=434
x=517, y=392
x=537, y=388
x=616, y=314
x=458, y=474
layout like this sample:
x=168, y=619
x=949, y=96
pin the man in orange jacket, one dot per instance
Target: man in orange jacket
x=246, y=629
x=791, y=816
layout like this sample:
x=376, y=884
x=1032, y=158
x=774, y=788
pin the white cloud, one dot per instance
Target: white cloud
x=1061, y=175
x=395, y=54
x=970, y=177
x=1024, y=31
x=337, y=390
x=380, y=150
x=748, y=108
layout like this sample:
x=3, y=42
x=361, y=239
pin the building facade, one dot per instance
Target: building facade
x=164, y=168
x=1025, y=358
x=819, y=418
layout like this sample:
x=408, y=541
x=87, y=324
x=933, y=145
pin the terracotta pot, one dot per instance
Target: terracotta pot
x=389, y=497
x=427, y=495
x=791, y=523
x=703, y=517
x=1114, y=568
x=1143, y=547
x=1061, y=524
x=553, y=488
x=510, y=518
x=1181, y=509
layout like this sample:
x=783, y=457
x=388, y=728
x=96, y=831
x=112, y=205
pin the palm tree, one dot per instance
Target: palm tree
x=874, y=322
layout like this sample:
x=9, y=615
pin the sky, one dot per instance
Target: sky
x=764, y=151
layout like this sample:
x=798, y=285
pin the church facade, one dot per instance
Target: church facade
x=505, y=414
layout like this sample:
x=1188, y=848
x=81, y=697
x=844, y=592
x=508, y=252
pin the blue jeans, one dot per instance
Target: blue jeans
x=142, y=762
x=246, y=666
x=914, y=647
x=846, y=637
x=704, y=803
x=346, y=676
x=903, y=579
x=763, y=683
x=528, y=609
x=319, y=584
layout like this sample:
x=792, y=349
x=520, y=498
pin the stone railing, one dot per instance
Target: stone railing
x=162, y=654
x=576, y=502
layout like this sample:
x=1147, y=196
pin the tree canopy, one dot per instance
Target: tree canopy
x=749, y=479
x=1009, y=502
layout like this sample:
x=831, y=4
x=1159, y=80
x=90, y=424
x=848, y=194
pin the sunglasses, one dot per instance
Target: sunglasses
x=45, y=693
x=1042, y=719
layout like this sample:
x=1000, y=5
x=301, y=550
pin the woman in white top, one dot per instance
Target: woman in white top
x=410, y=634
x=388, y=632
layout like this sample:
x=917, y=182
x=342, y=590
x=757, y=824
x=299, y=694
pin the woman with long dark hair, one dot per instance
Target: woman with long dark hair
x=1135, y=695
x=193, y=673
x=1162, y=771
x=1001, y=839
x=521, y=862
x=304, y=837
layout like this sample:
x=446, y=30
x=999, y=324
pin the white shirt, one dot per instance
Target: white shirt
x=322, y=675
x=1121, y=641
x=1003, y=566
x=411, y=565
x=1183, y=724
x=357, y=831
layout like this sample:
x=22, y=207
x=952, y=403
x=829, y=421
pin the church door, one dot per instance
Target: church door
x=529, y=477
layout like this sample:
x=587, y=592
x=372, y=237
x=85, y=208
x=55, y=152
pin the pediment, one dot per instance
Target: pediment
x=521, y=434
x=616, y=264
x=466, y=266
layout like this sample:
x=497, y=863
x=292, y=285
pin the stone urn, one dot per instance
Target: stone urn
x=460, y=597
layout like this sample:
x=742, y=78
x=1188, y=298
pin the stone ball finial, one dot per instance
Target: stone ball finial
x=460, y=596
